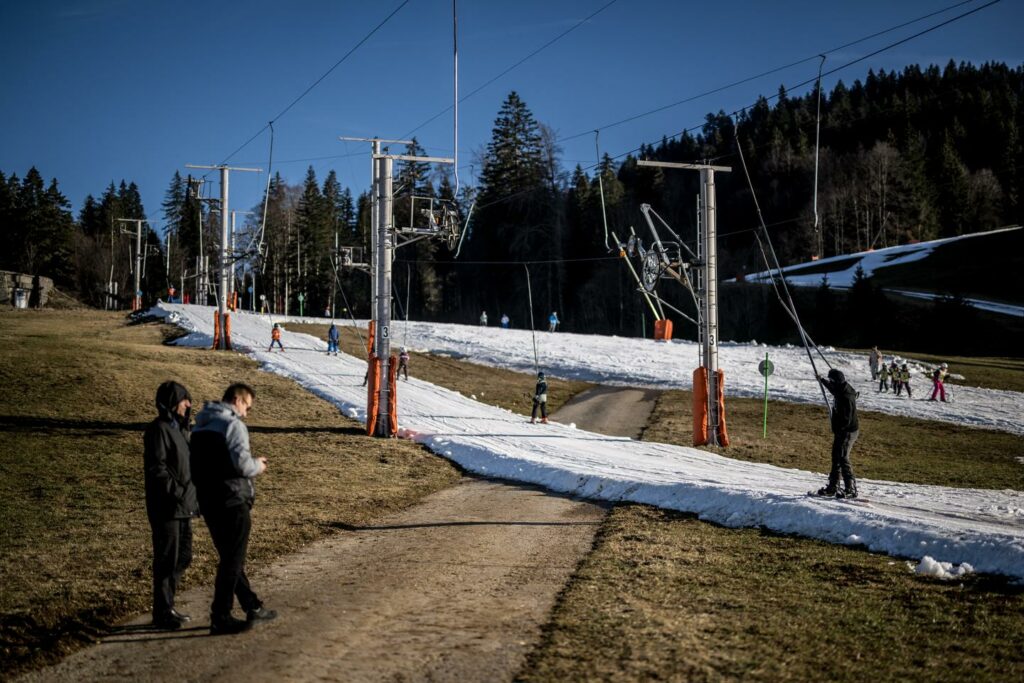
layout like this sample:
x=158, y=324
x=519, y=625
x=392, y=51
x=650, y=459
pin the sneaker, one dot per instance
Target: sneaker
x=261, y=613
x=220, y=626
x=171, y=621
x=533, y=420
x=543, y=420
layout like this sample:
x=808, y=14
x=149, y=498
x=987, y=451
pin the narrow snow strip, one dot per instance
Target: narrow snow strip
x=982, y=528
x=981, y=304
x=628, y=361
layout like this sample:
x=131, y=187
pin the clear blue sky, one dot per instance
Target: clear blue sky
x=94, y=91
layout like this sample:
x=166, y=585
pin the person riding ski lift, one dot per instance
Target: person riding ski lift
x=540, y=400
x=275, y=338
x=845, y=430
x=403, y=363
x=332, y=340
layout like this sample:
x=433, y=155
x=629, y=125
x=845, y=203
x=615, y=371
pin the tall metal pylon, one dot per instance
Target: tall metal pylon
x=707, y=281
x=383, y=241
x=226, y=264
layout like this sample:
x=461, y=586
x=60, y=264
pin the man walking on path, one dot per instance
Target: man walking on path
x=170, y=499
x=223, y=469
x=332, y=340
x=845, y=430
x=540, y=400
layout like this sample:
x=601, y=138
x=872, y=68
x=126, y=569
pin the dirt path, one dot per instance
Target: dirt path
x=456, y=588
x=616, y=411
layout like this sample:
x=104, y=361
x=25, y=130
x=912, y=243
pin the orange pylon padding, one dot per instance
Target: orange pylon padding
x=370, y=330
x=393, y=396
x=700, y=408
x=372, y=393
x=227, y=331
x=663, y=329
x=216, y=330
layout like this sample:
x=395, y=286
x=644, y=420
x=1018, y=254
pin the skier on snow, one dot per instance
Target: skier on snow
x=938, y=388
x=553, y=321
x=275, y=338
x=905, y=379
x=845, y=430
x=403, y=363
x=483, y=319
x=883, y=378
x=332, y=340
x=540, y=400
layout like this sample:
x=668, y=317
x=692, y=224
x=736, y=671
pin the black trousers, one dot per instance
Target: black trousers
x=229, y=528
x=543, y=405
x=172, y=554
x=842, y=444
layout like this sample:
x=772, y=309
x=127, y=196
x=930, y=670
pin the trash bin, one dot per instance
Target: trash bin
x=20, y=298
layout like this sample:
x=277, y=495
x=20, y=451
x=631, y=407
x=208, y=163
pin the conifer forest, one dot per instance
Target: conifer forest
x=905, y=156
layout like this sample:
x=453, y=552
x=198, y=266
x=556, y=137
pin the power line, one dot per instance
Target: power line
x=769, y=98
x=520, y=62
x=634, y=117
x=318, y=81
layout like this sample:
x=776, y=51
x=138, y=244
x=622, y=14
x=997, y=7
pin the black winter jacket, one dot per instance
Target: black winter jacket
x=844, y=412
x=169, y=490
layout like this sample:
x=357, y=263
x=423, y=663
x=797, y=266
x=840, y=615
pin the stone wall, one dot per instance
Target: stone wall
x=37, y=286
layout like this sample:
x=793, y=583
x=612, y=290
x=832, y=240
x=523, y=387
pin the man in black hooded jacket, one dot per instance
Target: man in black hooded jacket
x=170, y=498
x=845, y=429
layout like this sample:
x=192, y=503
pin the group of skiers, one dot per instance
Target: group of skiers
x=553, y=321
x=897, y=374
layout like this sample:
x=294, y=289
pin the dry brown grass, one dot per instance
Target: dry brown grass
x=74, y=543
x=889, y=447
x=667, y=597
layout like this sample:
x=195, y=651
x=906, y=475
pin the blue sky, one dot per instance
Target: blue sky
x=94, y=91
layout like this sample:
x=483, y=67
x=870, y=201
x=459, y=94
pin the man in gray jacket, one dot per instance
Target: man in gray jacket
x=223, y=469
x=170, y=499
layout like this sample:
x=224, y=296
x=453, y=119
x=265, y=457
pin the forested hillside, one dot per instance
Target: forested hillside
x=914, y=155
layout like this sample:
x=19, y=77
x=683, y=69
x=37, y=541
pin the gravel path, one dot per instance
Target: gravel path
x=455, y=588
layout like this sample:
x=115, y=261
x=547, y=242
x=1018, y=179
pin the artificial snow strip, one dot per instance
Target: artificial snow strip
x=980, y=527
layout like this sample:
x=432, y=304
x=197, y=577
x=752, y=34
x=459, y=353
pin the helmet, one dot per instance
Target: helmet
x=540, y=375
x=944, y=366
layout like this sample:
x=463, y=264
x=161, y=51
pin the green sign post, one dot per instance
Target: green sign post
x=766, y=367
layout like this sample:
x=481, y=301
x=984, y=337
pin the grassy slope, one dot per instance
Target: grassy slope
x=665, y=596
x=74, y=544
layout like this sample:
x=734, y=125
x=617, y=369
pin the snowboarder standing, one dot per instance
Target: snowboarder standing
x=938, y=388
x=845, y=430
x=275, y=338
x=332, y=340
x=403, y=364
x=540, y=400
x=874, y=361
x=553, y=321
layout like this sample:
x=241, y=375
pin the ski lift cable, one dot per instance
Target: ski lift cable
x=600, y=185
x=817, y=148
x=792, y=307
x=455, y=50
x=533, y=332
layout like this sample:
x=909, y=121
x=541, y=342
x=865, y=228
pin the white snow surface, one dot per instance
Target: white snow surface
x=980, y=527
x=870, y=261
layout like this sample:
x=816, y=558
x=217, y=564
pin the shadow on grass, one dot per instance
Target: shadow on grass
x=432, y=525
x=23, y=423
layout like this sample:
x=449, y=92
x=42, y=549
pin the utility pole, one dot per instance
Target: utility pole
x=707, y=282
x=222, y=313
x=137, y=294
x=383, y=243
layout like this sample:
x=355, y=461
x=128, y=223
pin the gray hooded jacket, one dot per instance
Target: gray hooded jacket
x=222, y=464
